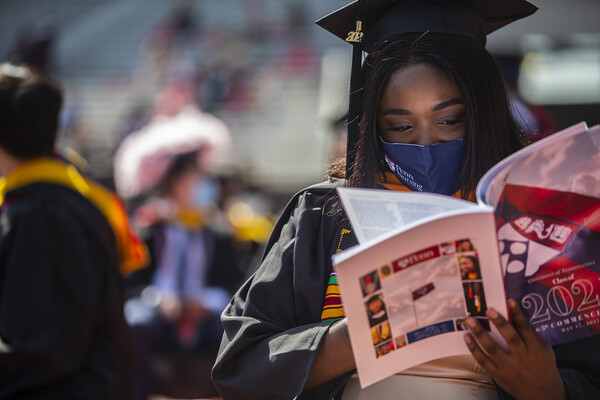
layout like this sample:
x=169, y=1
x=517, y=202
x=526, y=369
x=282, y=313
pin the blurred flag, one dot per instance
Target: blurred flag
x=422, y=291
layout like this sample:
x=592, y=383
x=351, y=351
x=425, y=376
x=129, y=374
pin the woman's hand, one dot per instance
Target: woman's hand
x=528, y=369
x=170, y=308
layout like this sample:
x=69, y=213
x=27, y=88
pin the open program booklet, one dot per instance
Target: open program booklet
x=427, y=261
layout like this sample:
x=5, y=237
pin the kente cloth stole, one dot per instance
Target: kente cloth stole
x=132, y=252
x=332, y=306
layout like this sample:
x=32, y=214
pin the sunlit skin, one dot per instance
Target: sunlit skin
x=421, y=105
x=528, y=369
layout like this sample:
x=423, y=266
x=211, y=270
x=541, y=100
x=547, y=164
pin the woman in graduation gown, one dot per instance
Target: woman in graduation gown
x=428, y=82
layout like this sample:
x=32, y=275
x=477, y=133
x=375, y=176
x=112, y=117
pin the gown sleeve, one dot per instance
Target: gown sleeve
x=272, y=325
x=579, y=367
x=48, y=297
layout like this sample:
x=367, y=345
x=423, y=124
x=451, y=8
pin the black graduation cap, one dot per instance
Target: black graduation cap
x=366, y=22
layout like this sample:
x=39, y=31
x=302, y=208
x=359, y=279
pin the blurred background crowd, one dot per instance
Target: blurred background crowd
x=264, y=68
x=206, y=115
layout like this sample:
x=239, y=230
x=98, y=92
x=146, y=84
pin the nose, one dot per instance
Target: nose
x=425, y=136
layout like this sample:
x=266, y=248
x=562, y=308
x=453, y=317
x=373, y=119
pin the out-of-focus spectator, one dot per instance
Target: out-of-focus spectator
x=143, y=157
x=33, y=47
x=62, y=329
x=195, y=269
x=196, y=263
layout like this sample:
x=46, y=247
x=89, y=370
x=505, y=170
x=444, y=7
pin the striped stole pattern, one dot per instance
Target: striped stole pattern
x=332, y=307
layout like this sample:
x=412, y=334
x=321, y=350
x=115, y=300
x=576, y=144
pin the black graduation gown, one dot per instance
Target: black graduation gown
x=61, y=299
x=272, y=325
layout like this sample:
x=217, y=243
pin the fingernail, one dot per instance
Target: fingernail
x=493, y=314
x=468, y=339
x=512, y=304
x=470, y=322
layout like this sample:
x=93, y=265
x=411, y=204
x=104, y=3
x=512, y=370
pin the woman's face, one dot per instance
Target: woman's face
x=421, y=105
x=375, y=306
x=466, y=266
x=466, y=246
x=181, y=188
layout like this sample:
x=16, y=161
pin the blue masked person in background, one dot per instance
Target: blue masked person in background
x=193, y=271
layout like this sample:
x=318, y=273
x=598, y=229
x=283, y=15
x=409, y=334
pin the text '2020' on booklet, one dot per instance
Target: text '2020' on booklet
x=425, y=261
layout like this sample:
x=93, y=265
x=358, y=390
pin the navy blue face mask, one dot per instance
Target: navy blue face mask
x=433, y=169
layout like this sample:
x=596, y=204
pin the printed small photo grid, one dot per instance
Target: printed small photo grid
x=381, y=333
x=384, y=342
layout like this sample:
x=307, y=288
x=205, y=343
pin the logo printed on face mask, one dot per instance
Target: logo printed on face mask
x=407, y=178
x=433, y=169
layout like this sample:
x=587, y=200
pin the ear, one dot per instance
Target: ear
x=8, y=162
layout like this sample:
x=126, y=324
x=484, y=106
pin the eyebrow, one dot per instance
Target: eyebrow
x=437, y=107
x=445, y=104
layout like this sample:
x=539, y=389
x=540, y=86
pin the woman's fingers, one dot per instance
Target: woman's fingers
x=488, y=344
x=528, y=368
x=522, y=325
x=480, y=356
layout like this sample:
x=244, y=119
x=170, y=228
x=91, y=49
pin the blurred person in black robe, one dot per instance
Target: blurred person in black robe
x=62, y=330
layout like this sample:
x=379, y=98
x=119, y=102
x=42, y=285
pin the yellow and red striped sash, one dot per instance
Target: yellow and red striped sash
x=133, y=253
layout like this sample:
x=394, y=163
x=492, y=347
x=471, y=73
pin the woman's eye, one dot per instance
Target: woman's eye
x=451, y=121
x=402, y=128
